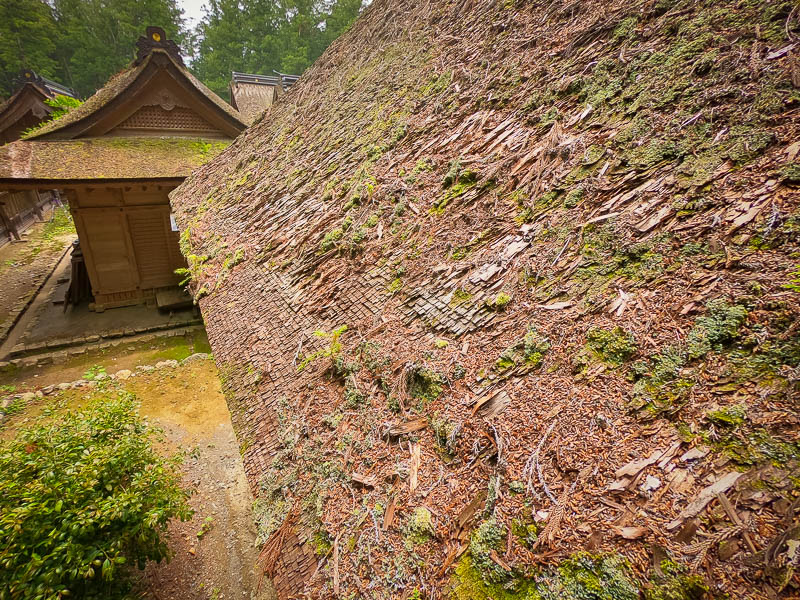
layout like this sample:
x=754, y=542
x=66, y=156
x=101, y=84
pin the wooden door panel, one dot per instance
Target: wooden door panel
x=109, y=253
x=152, y=241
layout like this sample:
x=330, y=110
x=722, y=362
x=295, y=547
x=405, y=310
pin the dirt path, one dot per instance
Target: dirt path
x=187, y=403
x=25, y=265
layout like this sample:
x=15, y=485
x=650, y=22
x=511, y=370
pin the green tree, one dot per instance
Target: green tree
x=27, y=41
x=97, y=38
x=259, y=36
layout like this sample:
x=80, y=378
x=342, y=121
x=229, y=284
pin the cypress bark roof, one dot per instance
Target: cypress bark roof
x=251, y=94
x=125, y=82
x=65, y=161
x=29, y=98
x=557, y=234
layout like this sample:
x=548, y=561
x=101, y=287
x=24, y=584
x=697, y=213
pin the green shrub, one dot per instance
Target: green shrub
x=331, y=351
x=82, y=500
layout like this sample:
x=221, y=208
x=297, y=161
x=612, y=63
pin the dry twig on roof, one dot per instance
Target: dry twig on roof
x=701, y=548
x=268, y=557
x=533, y=466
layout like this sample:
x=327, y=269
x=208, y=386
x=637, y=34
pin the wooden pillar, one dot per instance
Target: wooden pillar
x=37, y=206
x=8, y=222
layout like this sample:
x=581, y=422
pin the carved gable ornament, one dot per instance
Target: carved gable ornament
x=163, y=98
x=155, y=37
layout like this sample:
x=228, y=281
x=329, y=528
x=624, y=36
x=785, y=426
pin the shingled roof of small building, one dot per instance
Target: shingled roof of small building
x=252, y=93
x=82, y=145
x=47, y=88
x=106, y=158
x=31, y=92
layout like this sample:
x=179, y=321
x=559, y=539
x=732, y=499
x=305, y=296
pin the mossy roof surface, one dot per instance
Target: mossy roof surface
x=106, y=158
x=606, y=164
x=121, y=82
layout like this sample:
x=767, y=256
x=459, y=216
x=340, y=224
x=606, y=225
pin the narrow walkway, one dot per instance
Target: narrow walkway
x=41, y=299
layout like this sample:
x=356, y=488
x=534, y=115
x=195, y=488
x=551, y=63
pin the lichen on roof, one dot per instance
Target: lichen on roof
x=618, y=169
x=106, y=158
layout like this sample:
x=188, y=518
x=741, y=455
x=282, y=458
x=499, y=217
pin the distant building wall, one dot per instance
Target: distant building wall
x=20, y=210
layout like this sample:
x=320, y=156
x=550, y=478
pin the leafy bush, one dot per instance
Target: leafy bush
x=82, y=500
x=331, y=351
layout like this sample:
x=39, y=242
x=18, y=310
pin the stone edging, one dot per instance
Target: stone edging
x=61, y=356
x=22, y=349
x=121, y=375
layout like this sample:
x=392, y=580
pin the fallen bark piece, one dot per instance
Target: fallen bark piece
x=669, y=454
x=706, y=495
x=496, y=558
x=633, y=468
x=465, y=516
x=695, y=453
x=630, y=533
x=650, y=484
x=492, y=404
x=734, y=516
x=413, y=481
x=364, y=480
x=388, y=516
x=619, y=485
x=407, y=427
x=556, y=305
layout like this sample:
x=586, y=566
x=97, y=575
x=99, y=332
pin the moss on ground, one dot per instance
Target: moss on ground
x=525, y=354
x=720, y=326
x=614, y=346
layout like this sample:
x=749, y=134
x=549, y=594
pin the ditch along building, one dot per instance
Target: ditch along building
x=116, y=157
x=558, y=234
x=26, y=108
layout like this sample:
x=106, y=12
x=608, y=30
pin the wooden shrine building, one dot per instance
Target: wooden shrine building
x=26, y=107
x=117, y=156
x=252, y=94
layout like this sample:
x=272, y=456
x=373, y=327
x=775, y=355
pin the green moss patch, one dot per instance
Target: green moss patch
x=526, y=354
x=424, y=384
x=720, y=326
x=613, y=346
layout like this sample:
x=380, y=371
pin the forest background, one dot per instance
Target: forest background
x=81, y=43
